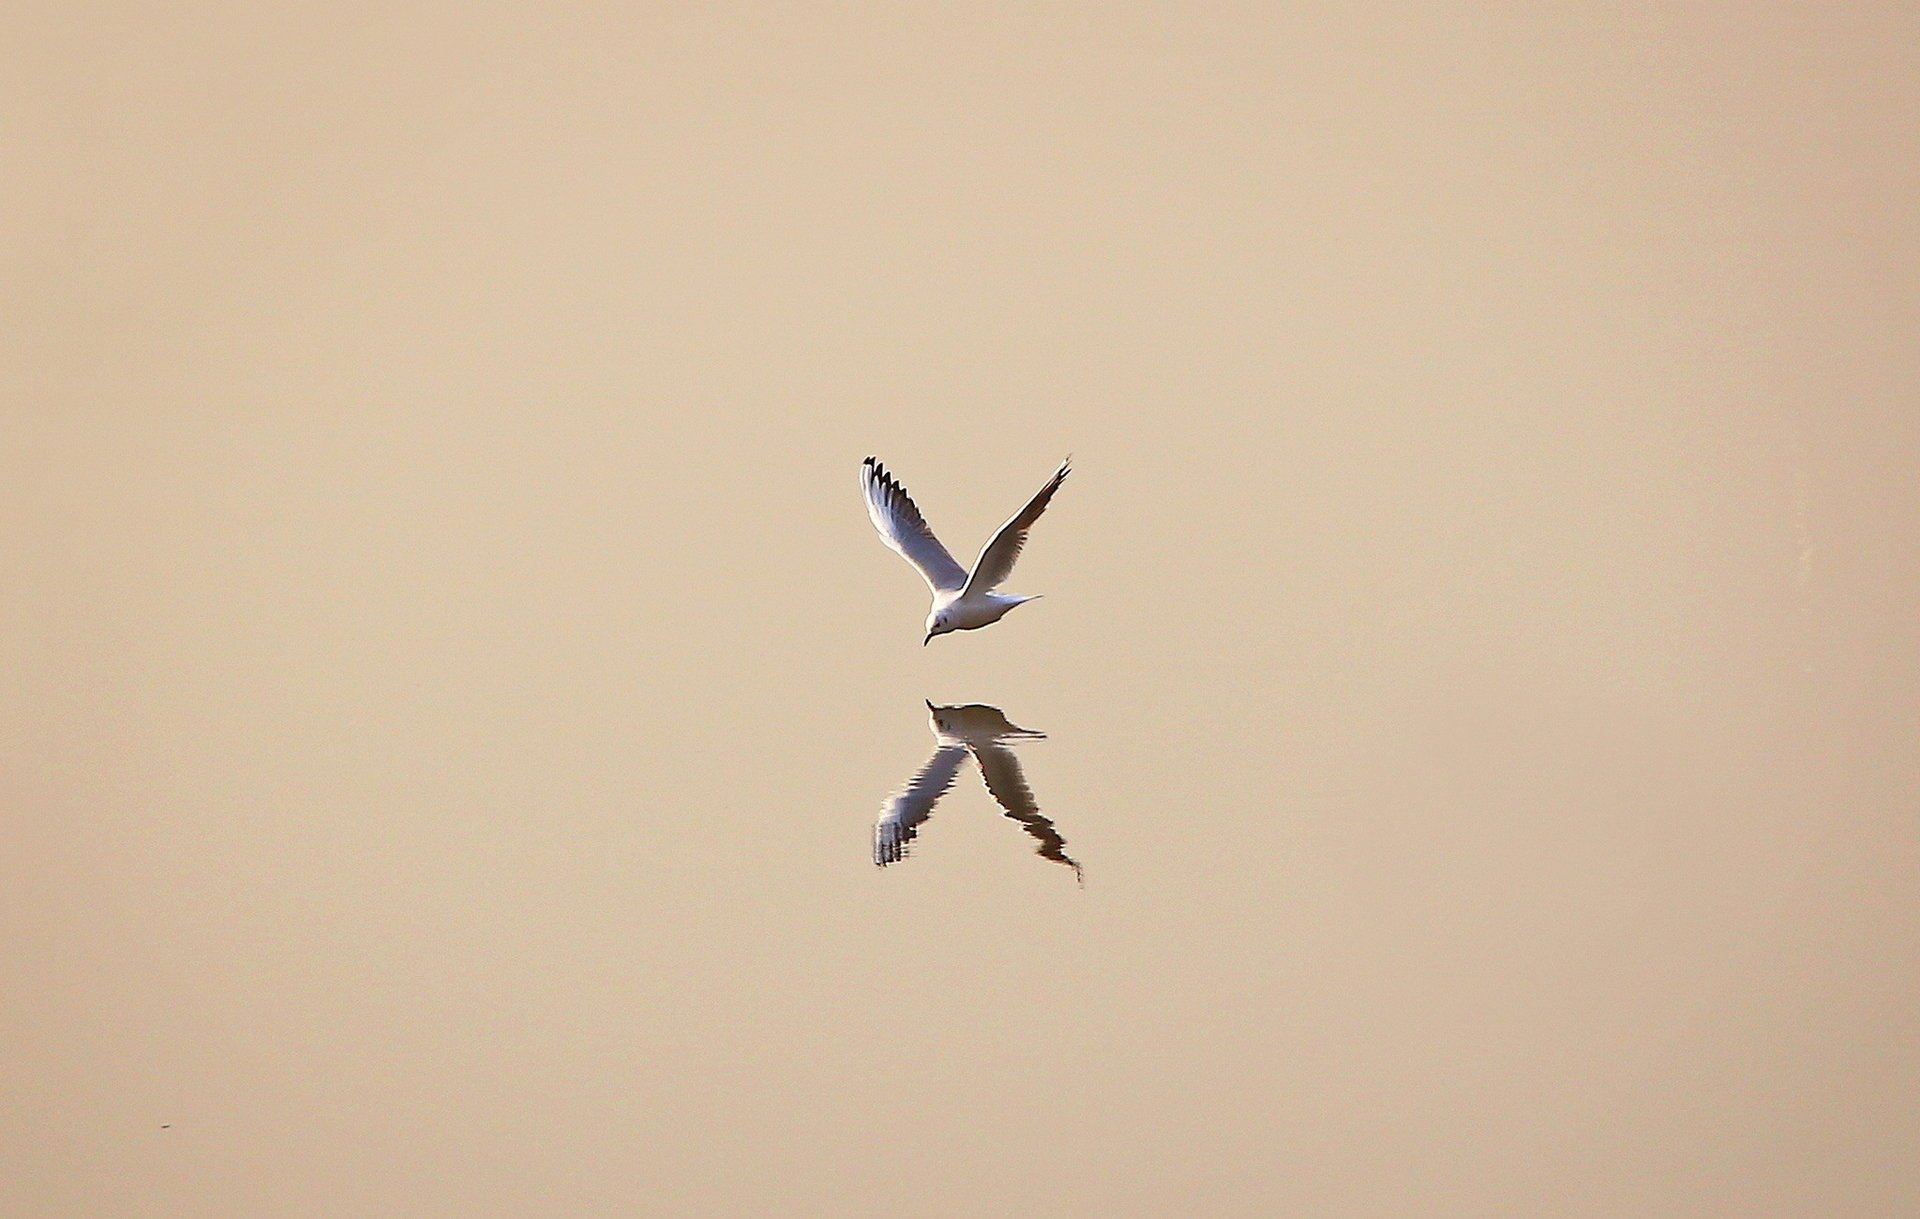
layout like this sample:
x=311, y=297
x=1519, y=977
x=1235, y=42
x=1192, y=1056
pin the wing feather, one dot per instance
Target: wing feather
x=902, y=527
x=996, y=560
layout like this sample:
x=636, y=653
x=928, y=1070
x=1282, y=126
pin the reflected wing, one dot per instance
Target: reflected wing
x=900, y=819
x=1009, y=787
x=996, y=561
x=902, y=527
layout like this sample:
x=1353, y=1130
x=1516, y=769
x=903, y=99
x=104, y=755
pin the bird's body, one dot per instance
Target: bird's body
x=963, y=613
x=962, y=600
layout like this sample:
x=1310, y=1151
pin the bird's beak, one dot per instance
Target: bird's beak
x=927, y=640
x=928, y=702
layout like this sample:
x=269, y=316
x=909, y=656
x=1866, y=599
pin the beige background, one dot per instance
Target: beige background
x=448, y=677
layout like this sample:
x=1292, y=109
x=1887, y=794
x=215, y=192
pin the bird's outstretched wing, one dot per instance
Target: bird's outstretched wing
x=900, y=819
x=996, y=560
x=902, y=527
x=1008, y=785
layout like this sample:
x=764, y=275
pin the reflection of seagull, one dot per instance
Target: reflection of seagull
x=961, y=601
x=981, y=731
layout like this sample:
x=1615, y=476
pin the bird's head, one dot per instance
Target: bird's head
x=937, y=624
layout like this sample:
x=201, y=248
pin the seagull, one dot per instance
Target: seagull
x=962, y=600
x=979, y=730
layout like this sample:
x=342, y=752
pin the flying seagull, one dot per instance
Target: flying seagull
x=962, y=600
x=982, y=731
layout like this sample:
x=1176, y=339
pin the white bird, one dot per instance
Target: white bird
x=980, y=730
x=962, y=601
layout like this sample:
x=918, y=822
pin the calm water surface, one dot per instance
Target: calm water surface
x=450, y=681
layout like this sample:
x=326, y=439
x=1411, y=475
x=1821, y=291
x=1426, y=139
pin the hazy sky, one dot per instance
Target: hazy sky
x=447, y=676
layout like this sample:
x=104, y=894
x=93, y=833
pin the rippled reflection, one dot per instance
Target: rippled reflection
x=984, y=732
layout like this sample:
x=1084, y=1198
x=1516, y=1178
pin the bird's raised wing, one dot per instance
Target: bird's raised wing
x=996, y=560
x=902, y=527
x=900, y=819
x=1008, y=785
